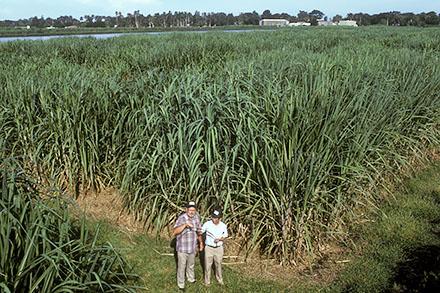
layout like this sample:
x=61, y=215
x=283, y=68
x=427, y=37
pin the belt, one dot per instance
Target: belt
x=214, y=246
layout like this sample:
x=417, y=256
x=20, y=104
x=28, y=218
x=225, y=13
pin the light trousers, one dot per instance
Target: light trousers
x=213, y=255
x=185, y=263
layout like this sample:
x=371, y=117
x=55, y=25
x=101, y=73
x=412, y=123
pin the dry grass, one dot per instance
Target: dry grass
x=107, y=205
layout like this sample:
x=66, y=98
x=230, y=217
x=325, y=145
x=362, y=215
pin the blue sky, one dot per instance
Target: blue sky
x=14, y=9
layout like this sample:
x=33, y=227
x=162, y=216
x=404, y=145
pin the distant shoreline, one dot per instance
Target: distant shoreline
x=23, y=32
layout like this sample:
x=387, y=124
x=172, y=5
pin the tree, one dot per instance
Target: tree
x=231, y=19
x=316, y=14
x=337, y=18
x=394, y=18
x=249, y=18
x=362, y=18
x=431, y=18
x=303, y=16
x=266, y=14
x=36, y=22
x=136, y=18
x=408, y=19
x=183, y=19
x=197, y=19
x=285, y=16
x=117, y=18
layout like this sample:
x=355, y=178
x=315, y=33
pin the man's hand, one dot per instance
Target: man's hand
x=216, y=240
x=182, y=227
x=201, y=246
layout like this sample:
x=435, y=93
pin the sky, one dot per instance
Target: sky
x=16, y=9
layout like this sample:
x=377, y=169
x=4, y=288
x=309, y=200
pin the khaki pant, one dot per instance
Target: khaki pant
x=213, y=255
x=185, y=262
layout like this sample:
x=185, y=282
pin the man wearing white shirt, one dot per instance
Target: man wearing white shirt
x=216, y=232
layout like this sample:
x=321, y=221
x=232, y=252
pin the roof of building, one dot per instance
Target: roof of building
x=274, y=19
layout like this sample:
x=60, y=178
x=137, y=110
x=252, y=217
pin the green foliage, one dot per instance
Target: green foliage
x=285, y=129
x=42, y=250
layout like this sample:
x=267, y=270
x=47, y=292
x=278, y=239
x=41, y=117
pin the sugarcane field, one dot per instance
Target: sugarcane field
x=315, y=148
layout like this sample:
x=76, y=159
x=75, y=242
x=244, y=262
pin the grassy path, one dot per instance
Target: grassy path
x=399, y=251
x=158, y=271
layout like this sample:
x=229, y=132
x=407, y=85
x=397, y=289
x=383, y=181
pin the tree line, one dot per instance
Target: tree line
x=198, y=19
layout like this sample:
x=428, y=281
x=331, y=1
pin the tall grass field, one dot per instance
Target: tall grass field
x=288, y=130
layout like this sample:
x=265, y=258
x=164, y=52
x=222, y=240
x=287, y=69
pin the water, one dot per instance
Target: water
x=112, y=35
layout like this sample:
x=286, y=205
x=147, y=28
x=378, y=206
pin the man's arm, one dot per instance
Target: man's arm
x=181, y=224
x=201, y=244
x=200, y=231
x=179, y=229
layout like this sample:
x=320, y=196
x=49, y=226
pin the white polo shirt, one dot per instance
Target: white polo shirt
x=213, y=232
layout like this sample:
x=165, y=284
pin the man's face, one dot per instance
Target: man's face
x=216, y=220
x=191, y=212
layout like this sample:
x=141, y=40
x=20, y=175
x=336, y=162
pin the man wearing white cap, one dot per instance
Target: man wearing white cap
x=216, y=232
x=187, y=230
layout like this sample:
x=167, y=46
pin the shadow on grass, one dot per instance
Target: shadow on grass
x=420, y=272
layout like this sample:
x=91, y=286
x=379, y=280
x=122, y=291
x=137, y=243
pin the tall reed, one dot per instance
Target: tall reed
x=285, y=129
x=44, y=250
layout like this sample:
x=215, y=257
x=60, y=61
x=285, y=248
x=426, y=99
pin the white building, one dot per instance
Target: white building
x=274, y=22
x=300, y=23
x=347, y=23
x=322, y=22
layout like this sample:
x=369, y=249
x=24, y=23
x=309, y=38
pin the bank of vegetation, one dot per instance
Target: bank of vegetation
x=290, y=131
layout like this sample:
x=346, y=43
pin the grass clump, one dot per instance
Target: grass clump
x=44, y=250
